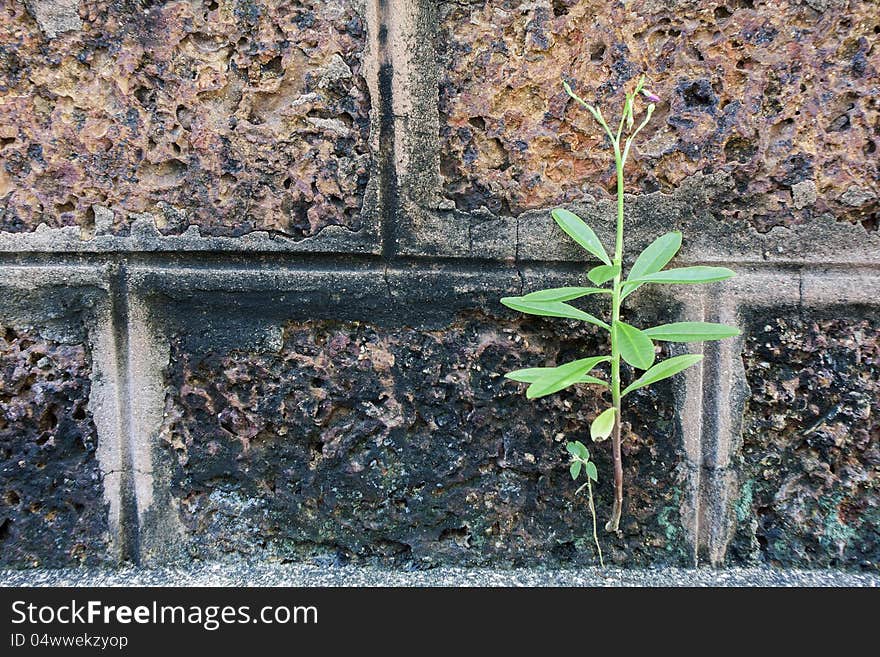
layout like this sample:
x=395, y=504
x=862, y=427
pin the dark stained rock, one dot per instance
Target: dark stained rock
x=52, y=511
x=406, y=445
x=810, y=488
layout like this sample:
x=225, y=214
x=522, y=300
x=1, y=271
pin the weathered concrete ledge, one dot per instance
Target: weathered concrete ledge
x=145, y=237
x=259, y=573
x=691, y=208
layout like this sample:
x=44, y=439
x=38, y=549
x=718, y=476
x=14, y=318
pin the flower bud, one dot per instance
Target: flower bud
x=654, y=98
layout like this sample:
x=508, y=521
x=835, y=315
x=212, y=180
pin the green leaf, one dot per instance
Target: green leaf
x=571, y=448
x=551, y=309
x=635, y=347
x=656, y=255
x=563, y=376
x=590, y=469
x=577, y=230
x=532, y=374
x=687, y=275
x=564, y=293
x=603, y=273
x=575, y=469
x=663, y=370
x=581, y=450
x=602, y=426
x=691, y=332
x=654, y=258
x=528, y=375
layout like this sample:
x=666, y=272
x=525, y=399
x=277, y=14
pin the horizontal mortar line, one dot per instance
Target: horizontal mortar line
x=760, y=264
x=211, y=258
x=485, y=268
x=358, y=263
x=96, y=271
x=259, y=261
x=274, y=258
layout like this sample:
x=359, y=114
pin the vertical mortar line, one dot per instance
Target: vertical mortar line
x=728, y=402
x=698, y=483
x=516, y=257
x=692, y=429
x=379, y=18
x=128, y=514
x=148, y=355
x=712, y=440
x=800, y=274
x=404, y=75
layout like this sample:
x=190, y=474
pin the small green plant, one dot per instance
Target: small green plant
x=580, y=462
x=633, y=345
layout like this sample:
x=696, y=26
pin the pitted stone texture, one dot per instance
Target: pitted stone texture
x=405, y=445
x=233, y=115
x=777, y=96
x=52, y=511
x=810, y=490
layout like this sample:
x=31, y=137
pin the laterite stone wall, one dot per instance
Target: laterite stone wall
x=251, y=253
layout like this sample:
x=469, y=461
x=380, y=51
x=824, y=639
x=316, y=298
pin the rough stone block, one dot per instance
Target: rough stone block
x=810, y=456
x=52, y=507
x=781, y=100
x=403, y=444
x=232, y=116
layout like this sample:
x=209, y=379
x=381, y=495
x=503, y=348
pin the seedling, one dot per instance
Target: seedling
x=580, y=462
x=633, y=345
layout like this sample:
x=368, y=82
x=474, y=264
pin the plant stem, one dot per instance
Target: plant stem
x=595, y=532
x=589, y=488
x=614, y=523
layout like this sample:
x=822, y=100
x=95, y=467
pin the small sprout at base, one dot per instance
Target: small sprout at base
x=580, y=462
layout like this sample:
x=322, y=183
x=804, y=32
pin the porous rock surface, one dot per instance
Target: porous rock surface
x=232, y=115
x=52, y=511
x=407, y=446
x=783, y=96
x=810, y=460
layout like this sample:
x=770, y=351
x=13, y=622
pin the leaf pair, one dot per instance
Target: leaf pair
x=580, y=458
x=547, y=380
x=647, y=267
x=637, y=347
